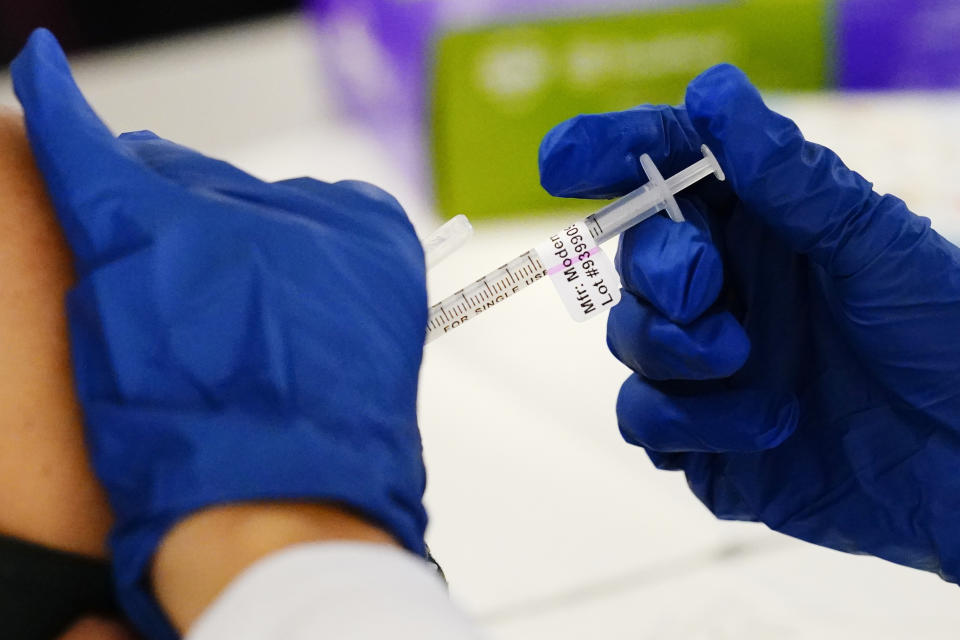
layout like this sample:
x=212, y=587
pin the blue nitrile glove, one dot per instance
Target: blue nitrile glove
x=233, y=340
x=797, y=343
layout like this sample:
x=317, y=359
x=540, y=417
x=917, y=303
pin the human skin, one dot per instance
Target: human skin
x=50, y=494
x=97, y=629
x=206, y=551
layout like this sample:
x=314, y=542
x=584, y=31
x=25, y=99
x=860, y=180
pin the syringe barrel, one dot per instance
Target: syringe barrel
x=483, y=294
x=620, y=215
x=653, y=197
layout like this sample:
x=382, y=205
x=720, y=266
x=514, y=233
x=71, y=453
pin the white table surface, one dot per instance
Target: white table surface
x=547, y=524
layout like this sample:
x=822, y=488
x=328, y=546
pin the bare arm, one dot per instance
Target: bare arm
x=49, y=492
x=205, y=552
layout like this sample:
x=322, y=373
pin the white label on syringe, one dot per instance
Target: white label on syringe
x=582, y=274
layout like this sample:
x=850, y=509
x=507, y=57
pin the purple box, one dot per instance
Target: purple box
x=898, y=44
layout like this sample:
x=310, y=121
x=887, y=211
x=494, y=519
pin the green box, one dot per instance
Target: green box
x=498, y=89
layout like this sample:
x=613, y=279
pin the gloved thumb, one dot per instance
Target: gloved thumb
x=801, y=190
x=74, y=150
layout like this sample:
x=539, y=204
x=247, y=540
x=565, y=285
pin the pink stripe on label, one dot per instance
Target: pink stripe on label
x=561, y=266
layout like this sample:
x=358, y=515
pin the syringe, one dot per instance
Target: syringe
x=608, y=222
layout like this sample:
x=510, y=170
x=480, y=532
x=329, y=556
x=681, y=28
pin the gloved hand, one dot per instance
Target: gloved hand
x=233, y=340
x=797, y=343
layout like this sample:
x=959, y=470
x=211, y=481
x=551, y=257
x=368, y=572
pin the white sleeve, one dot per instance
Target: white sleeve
x=348, y=591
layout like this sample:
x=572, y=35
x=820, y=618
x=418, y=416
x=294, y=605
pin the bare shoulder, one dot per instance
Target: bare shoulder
x=49, y=492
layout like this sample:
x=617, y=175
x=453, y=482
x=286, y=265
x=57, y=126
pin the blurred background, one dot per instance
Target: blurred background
x=547, y=524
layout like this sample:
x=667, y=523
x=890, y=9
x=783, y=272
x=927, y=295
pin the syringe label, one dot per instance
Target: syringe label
x=561, y=265
x=583, y=275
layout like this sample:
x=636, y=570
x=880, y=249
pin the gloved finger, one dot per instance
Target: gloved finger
x=76, y=153
x=672, y=461
x=713, y=346
x=363, y=190
x=189, y=168
x=311, y=198
x=375, y=194
x=706, y=478
x=802, y=190
x=673, y=266
x=597, y=155
x=717, y=420
x=308, y=186
x=368, y=203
